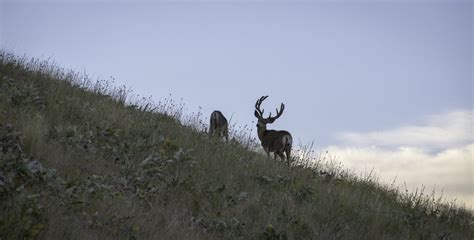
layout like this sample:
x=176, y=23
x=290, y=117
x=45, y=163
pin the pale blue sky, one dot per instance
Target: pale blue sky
x=383, y=84
x=337, y=66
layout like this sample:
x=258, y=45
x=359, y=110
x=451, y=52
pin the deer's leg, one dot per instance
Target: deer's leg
x=226, y=134
x=288, y=152
x=266, y=150
x=221, y=133
x=211, y=131
x=281, y=155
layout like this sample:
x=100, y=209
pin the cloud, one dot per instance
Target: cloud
x=439, y=132
x=438, y=153
x=449, y=170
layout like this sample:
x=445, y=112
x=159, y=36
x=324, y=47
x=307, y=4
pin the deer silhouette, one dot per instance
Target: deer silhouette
x=275, y=141
x=218, y=125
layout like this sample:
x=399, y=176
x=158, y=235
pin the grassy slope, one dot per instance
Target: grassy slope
x=115, y=172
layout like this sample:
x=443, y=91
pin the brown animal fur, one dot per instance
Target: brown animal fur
x=278, y=142
x=218, y=125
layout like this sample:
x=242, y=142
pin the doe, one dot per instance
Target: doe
x=218, y=125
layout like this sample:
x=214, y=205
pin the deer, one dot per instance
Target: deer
x=218, y=125
x=275, y=141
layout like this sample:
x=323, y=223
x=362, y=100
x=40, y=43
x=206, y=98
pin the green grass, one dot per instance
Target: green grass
x=76, y=162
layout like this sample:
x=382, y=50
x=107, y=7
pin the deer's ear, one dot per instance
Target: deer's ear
x=256, y=114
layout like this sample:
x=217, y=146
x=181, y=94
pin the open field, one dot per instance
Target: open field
x=76, y=162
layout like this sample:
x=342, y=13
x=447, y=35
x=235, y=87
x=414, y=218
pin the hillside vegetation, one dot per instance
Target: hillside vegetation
x=76, y=162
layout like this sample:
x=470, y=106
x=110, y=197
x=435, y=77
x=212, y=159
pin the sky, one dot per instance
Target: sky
x=378, y=84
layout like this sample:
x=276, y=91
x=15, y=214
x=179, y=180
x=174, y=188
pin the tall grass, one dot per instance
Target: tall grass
x=84, y=159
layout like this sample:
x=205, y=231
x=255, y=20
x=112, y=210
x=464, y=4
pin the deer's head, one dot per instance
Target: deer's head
x=262, y=122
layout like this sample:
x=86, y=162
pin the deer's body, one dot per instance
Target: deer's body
x=278, y=142
x=218, y=125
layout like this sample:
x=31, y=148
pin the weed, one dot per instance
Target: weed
x=87, y=160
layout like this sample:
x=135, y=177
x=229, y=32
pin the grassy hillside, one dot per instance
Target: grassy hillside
x=77, y=163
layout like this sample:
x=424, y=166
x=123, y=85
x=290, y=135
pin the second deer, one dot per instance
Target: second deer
x=218, y=125
x=278, y=142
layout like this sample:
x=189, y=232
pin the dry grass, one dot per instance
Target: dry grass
x=86, y=160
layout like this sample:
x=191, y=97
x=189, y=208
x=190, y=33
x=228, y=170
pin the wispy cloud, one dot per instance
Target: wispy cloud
x=449, y=170
x=439, y=131
x=438, y=153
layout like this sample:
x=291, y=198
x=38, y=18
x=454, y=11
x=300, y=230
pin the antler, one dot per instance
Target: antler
x=259, y=113
x=271, y=119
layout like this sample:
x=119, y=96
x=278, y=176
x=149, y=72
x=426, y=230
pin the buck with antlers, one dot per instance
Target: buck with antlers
x=278, y=142
x=218, y=125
